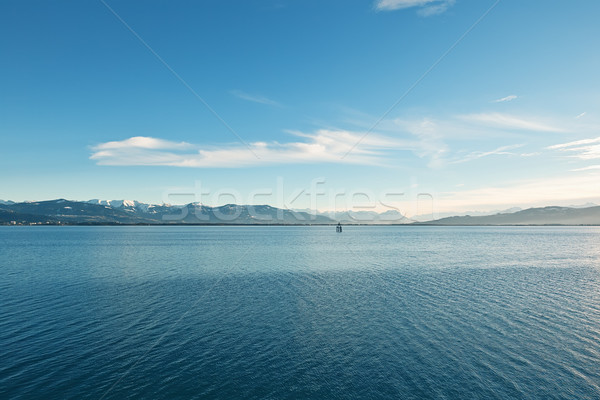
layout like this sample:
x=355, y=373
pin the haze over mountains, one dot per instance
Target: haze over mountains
x=108, y=212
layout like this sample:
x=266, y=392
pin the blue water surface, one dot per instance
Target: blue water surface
x=299, y=312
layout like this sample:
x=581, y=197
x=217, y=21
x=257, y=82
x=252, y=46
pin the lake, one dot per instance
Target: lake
x=299, y=312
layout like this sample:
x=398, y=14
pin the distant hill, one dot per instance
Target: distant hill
x=531, y=216
x=428, y=217
x=9, y=217
x=75, y=212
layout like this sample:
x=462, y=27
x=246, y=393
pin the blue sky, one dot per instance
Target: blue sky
x=154, y=100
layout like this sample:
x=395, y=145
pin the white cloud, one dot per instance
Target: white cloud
x=426, y=7
x=322, y=146
x=535, y=153
x=586, y=149
x=433, y=140
x=507, y=121
x=254, y=98
x=575, y=143
x=580, y=115
x=143, y=142
x=507, y=98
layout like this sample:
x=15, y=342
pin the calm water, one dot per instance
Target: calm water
x=299, y=312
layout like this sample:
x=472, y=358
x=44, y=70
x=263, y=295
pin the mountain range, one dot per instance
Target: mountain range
x=530, y=216
x=131, y=212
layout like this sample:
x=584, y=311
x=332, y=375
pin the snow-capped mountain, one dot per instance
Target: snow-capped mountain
x=116, y=203
x=130, y=205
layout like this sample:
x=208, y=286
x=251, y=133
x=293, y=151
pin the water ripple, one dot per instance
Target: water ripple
x=378, y=312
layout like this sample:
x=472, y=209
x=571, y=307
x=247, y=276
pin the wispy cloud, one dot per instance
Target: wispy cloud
x=425, y=7
x=438, y=137
x=507, y=121
x=426, y=132
x=507, y=98
x=503, y=150
x=588, y=168
x=586, y=149
x=255, y=98
x=323, y=146
x=575, y=143
x=580, y=115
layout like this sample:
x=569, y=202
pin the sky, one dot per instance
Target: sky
x=422, y=106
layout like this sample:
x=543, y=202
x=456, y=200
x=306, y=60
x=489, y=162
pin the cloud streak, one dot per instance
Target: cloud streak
x=505, y=99
x=586, y=149
x=426, y=7
x=505, y=121
x=588, y=168
x=503, y=150
x=255, y=98
x=323, y=146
